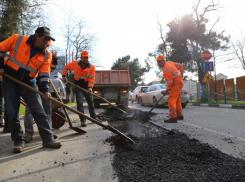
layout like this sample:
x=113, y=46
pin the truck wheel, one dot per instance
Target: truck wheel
x=124, y=102
x=97, y=103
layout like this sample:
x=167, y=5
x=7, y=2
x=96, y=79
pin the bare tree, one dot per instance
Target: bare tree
x=238, y=48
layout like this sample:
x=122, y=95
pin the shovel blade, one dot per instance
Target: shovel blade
x=78, y=130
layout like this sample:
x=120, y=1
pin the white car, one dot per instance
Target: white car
x=137, y=93
x=154, y=93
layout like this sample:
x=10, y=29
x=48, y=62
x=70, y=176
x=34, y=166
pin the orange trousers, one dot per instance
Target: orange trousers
x=174, y=100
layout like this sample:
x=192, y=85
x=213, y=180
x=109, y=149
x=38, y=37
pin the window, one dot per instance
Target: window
x=163, y=86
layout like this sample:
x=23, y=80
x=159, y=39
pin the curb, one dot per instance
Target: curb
x=220, y=105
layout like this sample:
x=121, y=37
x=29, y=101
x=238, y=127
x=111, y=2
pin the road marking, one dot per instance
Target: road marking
x=231, y=136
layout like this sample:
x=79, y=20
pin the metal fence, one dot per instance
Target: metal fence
x=218, y=96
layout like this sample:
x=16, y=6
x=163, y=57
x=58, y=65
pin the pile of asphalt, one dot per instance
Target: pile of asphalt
x=160, y=155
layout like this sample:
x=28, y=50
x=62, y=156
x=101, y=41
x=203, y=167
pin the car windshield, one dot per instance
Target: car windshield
x=144, y=88
x=162, y=86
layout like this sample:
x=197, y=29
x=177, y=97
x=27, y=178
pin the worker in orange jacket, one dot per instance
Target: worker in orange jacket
x=174, y=86
x=84, y=76
x=179, y=66
x=28, y=58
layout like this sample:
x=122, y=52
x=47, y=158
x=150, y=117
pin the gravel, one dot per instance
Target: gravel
x=162, y=155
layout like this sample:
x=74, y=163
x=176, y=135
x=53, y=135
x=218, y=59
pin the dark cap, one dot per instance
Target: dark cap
x=45, y=31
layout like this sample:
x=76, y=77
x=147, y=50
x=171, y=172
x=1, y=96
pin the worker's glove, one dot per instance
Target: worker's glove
x=165, y=92
x=90, y=90
x=64, y=79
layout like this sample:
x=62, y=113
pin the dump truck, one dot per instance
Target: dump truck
x=113, y=85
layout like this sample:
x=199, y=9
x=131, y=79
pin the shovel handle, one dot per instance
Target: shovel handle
x=108, y=127
x=58, y=96
x=54, y=100
x=96, y=96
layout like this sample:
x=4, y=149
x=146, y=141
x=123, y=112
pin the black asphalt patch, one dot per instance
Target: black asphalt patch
x=162, y=155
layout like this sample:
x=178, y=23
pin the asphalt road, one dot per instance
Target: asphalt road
x=222, y=128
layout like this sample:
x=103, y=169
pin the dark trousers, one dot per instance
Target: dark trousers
x=80, y=97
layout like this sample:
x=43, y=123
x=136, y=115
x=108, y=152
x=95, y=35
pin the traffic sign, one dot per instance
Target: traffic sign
x=208, y=78
x=206, y=55
x=207, y=66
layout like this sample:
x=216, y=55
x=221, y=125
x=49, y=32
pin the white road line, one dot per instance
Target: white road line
x=231, y=136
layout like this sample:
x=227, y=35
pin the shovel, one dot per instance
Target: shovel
x=108, y=127
x=97, y=96
x=157, y=102
x=67, y=116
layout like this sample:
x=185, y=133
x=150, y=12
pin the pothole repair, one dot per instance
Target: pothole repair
x=162, y=155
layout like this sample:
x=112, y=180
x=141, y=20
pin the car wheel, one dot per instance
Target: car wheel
x=183, y=105
x=140, y=101
x=154, y=101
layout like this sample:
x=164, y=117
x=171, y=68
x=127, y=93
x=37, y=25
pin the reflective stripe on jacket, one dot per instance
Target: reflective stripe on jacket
x=19, y=57
x=179, y=66
x=87, y=74
x=172, y=75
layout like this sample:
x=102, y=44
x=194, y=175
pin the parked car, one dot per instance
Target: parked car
x=137, y=93
x=154, y=93
x=129, y=95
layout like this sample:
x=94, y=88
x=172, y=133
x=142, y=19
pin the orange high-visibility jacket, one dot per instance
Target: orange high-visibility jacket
x=179, y=66
x=88, y=74
x=172, y=75
x=19, y=57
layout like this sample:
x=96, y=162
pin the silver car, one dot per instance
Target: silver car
x=154, y=93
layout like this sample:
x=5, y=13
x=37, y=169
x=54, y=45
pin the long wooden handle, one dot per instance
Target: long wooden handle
x=108, y=127
x=58, y=96
x=54, y=100
x=97, y=96
x=156, y=103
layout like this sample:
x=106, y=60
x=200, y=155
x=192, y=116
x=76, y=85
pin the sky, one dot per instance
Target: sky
x=129, y=27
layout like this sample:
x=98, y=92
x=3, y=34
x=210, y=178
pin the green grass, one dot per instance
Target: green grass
x=23, y=108
x=221, y=102
x=71, y=103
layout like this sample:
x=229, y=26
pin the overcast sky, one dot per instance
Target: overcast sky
x=129, y=27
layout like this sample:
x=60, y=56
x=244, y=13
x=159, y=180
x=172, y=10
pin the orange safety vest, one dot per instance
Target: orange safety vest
x=179, y=66
x=19, y=57
x=172, y=75
x=88, y=74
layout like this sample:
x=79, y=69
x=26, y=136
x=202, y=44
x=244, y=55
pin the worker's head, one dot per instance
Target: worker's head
x=42, y=37
x=161, y=60
x=84, y=57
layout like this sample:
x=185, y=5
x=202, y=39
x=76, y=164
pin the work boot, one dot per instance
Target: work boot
x=18, y=148
x=28, y=137
x=52, y=144
x=83, y=124
x=180, y=118
x=6, y=129
x=54, y=136
x=171, y=120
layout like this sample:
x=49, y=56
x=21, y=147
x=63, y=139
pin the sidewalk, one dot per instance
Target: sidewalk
x=219, y=105
x=83, y=157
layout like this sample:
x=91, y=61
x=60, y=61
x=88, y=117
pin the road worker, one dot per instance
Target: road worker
x=179, y=66
x=174, y=86
x=84, y=76
x=28, y=119
x=28, y=58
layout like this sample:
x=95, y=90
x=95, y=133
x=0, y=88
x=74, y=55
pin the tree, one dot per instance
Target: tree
x=188, y=37
x=136, y=71
x=20, y=16
x=238, y=48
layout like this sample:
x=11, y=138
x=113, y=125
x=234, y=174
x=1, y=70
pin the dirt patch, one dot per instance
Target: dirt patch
x=162, y=155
